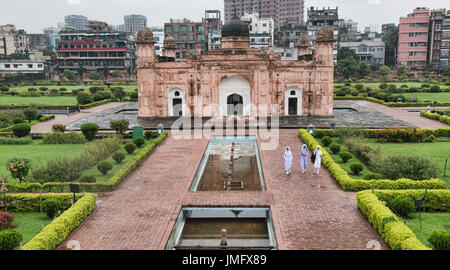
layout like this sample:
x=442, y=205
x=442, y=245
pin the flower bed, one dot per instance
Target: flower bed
x=349, y=184
x=390, y=227
x=435, y=116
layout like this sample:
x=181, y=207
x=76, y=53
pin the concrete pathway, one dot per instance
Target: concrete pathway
x=141, y=212
x=66, y=119
x=402, y=113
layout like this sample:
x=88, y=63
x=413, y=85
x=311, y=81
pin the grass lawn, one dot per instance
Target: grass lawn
x=430, y=222
x=103, y=178
x=36, y=152
x=47, y=100
x=409, y=84
x=70, y=88
x=439, y=97
x=438, y=152
x=29, y=224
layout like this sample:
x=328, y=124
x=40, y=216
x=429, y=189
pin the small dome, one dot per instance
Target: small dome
x=325, y=34
x=145, y=35
x=304, y=41
x=169, y=43
x=235, y=28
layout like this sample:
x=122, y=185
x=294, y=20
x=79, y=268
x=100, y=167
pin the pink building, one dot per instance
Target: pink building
x=280, y=11
x=413, y=38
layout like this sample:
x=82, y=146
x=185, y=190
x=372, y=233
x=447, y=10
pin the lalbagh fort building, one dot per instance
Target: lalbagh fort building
x=235, y=80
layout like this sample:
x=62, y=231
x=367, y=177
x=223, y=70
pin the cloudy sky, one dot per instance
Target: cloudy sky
x=34, y=15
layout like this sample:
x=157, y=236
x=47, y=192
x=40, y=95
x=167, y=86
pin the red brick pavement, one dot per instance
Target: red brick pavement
x=412, y=118
x=142, y=211
x=66, y=119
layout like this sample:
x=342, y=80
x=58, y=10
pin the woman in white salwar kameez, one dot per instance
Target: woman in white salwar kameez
x=288, y=160
x=318, y=161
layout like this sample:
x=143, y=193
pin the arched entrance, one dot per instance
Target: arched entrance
x=235, y=105
x=176, y=100
x=235, y=97
x=293, y=102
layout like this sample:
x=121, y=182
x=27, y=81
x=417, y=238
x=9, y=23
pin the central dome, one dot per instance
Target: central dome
x=235, y=28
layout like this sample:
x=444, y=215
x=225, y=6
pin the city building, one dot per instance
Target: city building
x=439, y=39
x=13, y=41
x=288, y=34
x=413, y=38
x=7, y=43
x=235, y=80
x=213, y=18
x=38, y=41
x=134, y=23
x=31, y=69
x=98, y=26
x=287, y=54
x=280, y=11
x=261, y=31
x=348, y=31
x=95, y=51
x=158, y=34
x=369, y=51
x=78, y=22
x=320, y=17
x=52, y=34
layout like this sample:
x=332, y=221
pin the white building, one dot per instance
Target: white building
x=367, y=50
x=133, y=23
x=261, y=30
x=158, y=35
x=23, y=66
x=78, y=22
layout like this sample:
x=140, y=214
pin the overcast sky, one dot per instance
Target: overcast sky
x=35, y=15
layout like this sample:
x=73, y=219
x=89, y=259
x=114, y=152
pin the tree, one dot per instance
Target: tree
x=390, y=38
x=94, y=76
x=81, y=73
x=30, y=113
x=447, y=70
x=384, y=70
x=69, y=74
x=129, y=71
x=364, y=69
x=347, y=67
x=401, y=70
x=375, y=67
x=48, y=51
x=427, y=68
x=345, y=52
x=105, y=72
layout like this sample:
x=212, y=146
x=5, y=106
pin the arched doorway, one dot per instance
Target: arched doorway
x=293, y=102
x=235, y=105
x=235, y=97
x=176, y=100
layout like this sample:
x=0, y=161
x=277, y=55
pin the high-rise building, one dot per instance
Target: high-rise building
x=134, y=23
x=78, y=22
x=280, y=11
x=413, y=38
x=261, y=31
x=439, y=39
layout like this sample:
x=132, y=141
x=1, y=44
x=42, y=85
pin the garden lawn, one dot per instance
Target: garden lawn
x=46, y=100
x=29, y=224
x=409, y=84
x=439, y=97
x=345, y=166
x=36, y=152
x=116, y=167
x=430, y=222
x=438, y=152
x=71, y=87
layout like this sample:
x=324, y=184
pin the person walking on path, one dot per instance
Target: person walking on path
x=288, y=160
x=304, y=158
x=318, y=159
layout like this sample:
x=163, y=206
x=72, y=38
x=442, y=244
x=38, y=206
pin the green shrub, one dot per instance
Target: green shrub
x=372, y=176
x=400, y=166
x=94, y=89
x=139, y=142
x=60, y=169
x=435, y=89
x=326, y=141
x=62, y=89
x=100, y=150
x=59, y=127
x=30, y=113
x=84, y=98
x=340, y=93
x=54, y=92
x=130, y=147
x=403, y=206
x=118, y=157
x=335, y=148
x=15, y=141
x=440, y=240
x=153, y=134
x=89, y=130
x=345, y=156
x=10, y=239
x=356, y=168
x=63, y=138
x=354, y=93
x=19, y=167
x=50, y=207
x=319, y=134
x=104, y=167
x=18, y=121
x=120, y=126
x=359, y=147
x=88, y=179
x=118, y=92
x=402, y=135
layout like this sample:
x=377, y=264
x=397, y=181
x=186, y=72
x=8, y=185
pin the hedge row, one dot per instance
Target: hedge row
x=57, y=231
x=107, y=186
x=371, y=133
x=95, y=104
x=32, y=202
x=10, y=128
x=435, y=116
x=349, y=184
x=390, y=227
x=394, y=104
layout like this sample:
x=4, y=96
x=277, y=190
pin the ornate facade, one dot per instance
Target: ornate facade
x=235, y=80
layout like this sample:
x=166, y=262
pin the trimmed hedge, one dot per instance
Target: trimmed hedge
x=95, y=104
x=57, y=231
x=42, y=119
x=393, y=104
x=349, y=184
x=435, y=116
x=108, y=186
x=372, y=133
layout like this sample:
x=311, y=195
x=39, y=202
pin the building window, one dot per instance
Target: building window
x=169, y=29
x=438, y=27
x=7, y=66
x=200, y=37
x=191, y=37
x=183, y=28
x=16, y=66
x=437, y=37
x=411, y=25
x=184, y=37
x=157, y=39
x=30, y=65
x=200, y=29
x=176, y=29
x=411, y=34
x=191, y=28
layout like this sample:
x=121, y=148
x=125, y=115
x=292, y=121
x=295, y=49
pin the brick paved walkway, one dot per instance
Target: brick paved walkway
x=142, y=211
x=412, y=118
x=66, y=119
